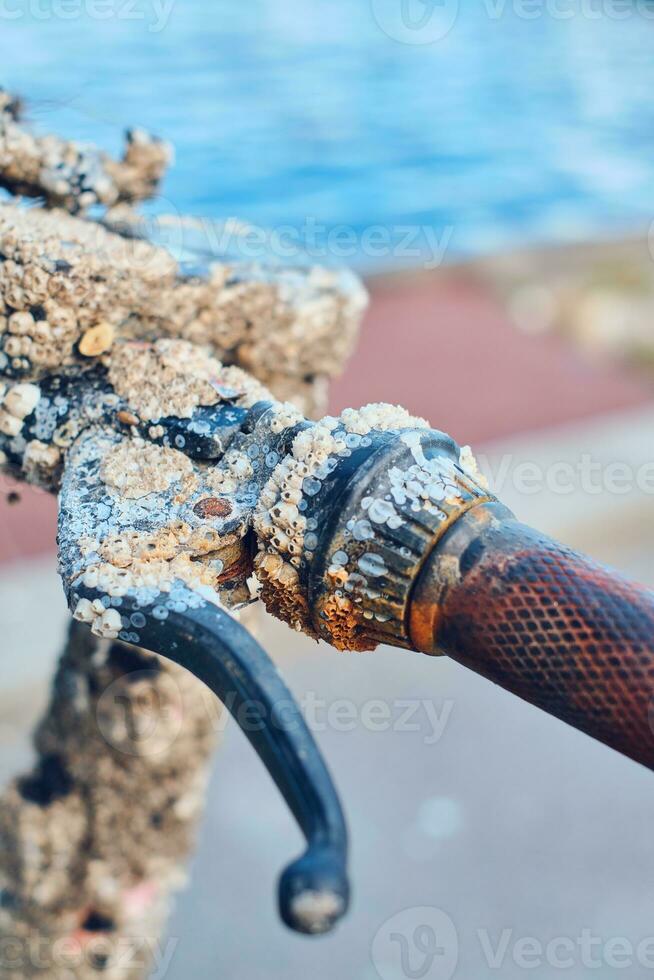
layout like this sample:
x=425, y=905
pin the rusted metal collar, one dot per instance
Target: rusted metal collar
x=372, y=514
x=441, y=570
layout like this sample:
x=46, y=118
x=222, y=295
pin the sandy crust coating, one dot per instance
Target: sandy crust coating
x=70, y=289
x=73, y=175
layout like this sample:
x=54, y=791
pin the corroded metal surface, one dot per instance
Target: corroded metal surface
x=441, y=569
x=107, y=361
x=177, y=468
x=552, y=626
x=186, y=486
x=380, y=518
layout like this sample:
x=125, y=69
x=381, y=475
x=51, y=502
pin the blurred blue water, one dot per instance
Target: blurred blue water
x=506, y=130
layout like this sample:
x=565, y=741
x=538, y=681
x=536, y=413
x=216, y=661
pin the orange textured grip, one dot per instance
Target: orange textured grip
x=559, y=630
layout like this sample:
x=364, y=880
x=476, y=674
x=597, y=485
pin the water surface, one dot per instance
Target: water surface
x=508, y=129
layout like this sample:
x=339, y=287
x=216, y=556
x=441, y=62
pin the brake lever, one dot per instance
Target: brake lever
x=205, y=639
x=183, y=622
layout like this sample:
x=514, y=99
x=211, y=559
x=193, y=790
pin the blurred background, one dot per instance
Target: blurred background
x=488, y=167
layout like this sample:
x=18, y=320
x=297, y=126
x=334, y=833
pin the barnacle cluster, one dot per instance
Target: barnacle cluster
x=70, y=288
x=75, y=175
x=94, y=838
x=279, y=517
x=162, y=395
x=348, y=582
x=121, y=387
x=174, y=377
x=285, y=533
x=135, y=468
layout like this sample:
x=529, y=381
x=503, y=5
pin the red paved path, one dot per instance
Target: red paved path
x=443, y=347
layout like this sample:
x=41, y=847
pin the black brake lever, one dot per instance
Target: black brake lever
x=314, y=889
x=186, y=624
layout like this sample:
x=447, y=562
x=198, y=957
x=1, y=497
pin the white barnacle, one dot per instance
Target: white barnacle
x=239, y=466
x=108, y=625
x=21, y=323
x=22, y=399
x=280, y=540
x=380, y=416
x=372, y=564
x=468, y=462
x=339, y=559
x=9, y=424
x=90, y=578
x=287, y=516
x=380, y=511
x=292, y=495
x=254, y=586
x=362, y=530
x=268, y=497
x=84, y=611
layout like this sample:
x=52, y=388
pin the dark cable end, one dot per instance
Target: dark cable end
x=314, y=892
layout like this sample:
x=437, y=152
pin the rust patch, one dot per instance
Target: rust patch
x=344, y=623
x=213, y=507
x=237, y=570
